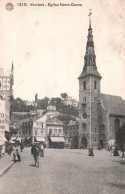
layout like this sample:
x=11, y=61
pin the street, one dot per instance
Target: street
x=68, y=171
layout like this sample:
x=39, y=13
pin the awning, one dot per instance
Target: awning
x=13, y=138
x=57, y=139
x=28, y=137
x=40, y=139
x=18, y=139
x=11, y=141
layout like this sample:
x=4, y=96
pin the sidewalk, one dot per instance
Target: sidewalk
x=5, y=163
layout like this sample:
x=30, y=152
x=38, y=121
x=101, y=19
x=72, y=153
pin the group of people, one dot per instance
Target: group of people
x=113, y=148
x=15, y=149
x=14, y=152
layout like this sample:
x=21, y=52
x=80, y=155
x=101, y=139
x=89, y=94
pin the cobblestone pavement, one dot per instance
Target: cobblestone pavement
x=4, y=161
x=66, y=172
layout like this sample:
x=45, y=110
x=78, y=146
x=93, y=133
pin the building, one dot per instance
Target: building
x=30, y=103
x=25, y=128
x=70, y=101
x=22, y=129
x=101, y=115
x=51, y=111
x=55, y=134
x=51, y=108
x=48, y=130
x=4, y=119
x=71, y=134
x=6, y=83
x=39, y=129
x=20, y=115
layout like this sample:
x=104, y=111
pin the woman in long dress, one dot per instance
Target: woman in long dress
x=90, y=151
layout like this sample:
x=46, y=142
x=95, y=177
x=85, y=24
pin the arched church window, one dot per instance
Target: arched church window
x=84, y=85
x=117, y=125
x=84, y=99
x=95, y=84
x=84, y=127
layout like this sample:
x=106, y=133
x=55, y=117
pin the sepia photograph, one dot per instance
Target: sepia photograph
x=62, y=97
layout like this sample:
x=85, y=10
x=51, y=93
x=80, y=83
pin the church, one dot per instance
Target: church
x=101, y=116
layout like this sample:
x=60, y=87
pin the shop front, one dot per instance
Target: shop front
x=57, y=142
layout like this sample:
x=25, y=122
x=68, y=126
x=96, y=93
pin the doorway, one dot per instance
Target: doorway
x=101, y=143
x=84, y=142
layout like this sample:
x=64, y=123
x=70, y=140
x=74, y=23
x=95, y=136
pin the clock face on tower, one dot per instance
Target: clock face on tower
x=84, y=115
x=83, y=111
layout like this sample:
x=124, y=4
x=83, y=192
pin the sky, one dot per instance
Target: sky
x=47, y=46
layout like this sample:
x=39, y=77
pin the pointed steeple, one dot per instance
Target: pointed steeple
x=90, y=57
x=12, y=67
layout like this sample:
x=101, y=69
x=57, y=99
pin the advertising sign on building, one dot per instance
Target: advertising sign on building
x=4, y=115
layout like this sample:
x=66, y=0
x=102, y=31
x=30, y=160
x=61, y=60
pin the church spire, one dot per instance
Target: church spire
x=90, y=57
x=90, y=13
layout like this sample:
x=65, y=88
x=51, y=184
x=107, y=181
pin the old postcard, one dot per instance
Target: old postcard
x=62, y=96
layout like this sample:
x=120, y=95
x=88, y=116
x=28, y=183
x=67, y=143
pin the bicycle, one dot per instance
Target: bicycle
x=36, y=160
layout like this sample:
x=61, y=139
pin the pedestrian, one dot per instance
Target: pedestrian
x=42, y=150
x=123, y=151
x=21, y=147
x=112, y=150
x=10, y=151
x=90, y=151
x=14, y=153
x=3, y=150
x=116, y=150
x=18, y=154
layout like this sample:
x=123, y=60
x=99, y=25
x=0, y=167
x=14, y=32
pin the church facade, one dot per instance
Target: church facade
x=101, y=116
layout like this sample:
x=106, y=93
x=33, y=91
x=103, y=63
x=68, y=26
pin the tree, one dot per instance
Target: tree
x=58, y=103
x=43, y=103
x=65, y=118
x=64, y=95
x=71, y=110
x=18, y=105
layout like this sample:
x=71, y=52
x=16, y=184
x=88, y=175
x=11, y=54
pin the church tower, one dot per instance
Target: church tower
x=89, y=95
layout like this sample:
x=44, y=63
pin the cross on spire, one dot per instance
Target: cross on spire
x=90, y=13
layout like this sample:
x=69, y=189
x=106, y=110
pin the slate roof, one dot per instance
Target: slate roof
x=73, y=123
x=53, y=120
x=115, y=104
x=89, y=71
x=19, y=123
